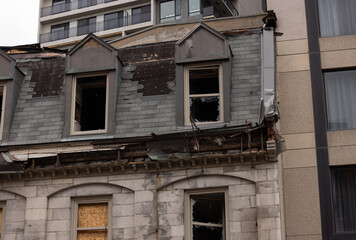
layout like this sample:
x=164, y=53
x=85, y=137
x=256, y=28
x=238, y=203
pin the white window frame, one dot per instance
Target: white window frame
x=188, y=211
x=187, y=96
x=78, y=201
x=3, y=86
x=2, y=206
x=74, y=92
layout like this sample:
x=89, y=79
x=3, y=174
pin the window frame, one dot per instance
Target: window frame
x=188, y=210
x=194, y=13
x=320, y=20
x=174, y=17
x=2, y=219
x=66, y=30
x=87, y=26
x=327, y=110
x=334, y=180
x=187, y=95
x=2, y=116
x=87, y=200
x=73, y=102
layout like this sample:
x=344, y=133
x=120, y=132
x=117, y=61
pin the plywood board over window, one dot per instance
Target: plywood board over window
x=91, y=219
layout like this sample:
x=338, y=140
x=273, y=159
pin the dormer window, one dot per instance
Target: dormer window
x=89, y=108
x=203, y=94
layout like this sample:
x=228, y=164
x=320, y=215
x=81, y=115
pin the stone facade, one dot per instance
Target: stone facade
x=148, y=166
x=145, y=202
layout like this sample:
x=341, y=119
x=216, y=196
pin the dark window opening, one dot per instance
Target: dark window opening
x=1, y=100
x=86, y=3
x=90, y=104
x=113, y=20
x=59, y=6
x=204, y=94
x=208, y=216
x=344, y=198
x=59, y=31
x=141, y=14
x=205, y=109
x=86, y=26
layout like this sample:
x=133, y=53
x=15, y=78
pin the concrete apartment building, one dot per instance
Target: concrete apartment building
x=166, y=133
x=63, y=23
x=315, y=87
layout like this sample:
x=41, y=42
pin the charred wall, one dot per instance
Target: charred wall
x=152, y=65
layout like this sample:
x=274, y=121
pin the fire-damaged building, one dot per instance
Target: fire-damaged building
x=168, y=133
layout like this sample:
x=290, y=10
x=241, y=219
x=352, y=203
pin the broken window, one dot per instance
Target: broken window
x=169, y=10
x=203, y=94
x=207, y=216
x=92, y=220
x=90, y=104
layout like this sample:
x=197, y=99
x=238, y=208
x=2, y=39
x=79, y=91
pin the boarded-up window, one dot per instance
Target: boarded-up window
x=92, y=221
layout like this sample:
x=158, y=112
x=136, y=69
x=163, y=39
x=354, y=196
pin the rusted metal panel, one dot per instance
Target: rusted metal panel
x=47, y=75
x=154, y=67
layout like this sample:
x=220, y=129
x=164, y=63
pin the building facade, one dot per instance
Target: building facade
x=315, y=62
x=63, y=23
x=168, y=133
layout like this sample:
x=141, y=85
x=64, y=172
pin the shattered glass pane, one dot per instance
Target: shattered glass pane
x=207, y=233
x=205, y=109
x=208, y=208
x=204, y=81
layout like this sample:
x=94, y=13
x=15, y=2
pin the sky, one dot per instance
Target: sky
x=18, y=22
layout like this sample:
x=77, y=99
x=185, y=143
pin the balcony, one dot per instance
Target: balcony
x=97, y=27
x=231, y=7
x=65, y=7
x=218, y=8
x=210, y=12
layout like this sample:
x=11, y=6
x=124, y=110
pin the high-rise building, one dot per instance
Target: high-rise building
x=62, y=23
x=316, y=86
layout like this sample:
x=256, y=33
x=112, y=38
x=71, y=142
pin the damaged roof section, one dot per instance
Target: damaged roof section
x=152, y=65
x=223, y=146
x=47, y=75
